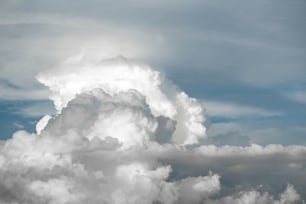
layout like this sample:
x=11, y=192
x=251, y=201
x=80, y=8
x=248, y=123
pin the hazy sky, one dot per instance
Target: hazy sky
x=245, y=61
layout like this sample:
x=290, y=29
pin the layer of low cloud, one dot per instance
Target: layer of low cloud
x=262, y=131
x=124, y=134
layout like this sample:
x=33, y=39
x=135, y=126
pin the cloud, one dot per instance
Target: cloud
x=253, y=197
x=110, y=144
x=297, y=96
x=119, y=75
x=46, y=35
x=235, y=138
x=35, y=108
x=170, y=37
x=230, y=110
x=18, y=125
x=262, y=131
x=124, y=134
x=42, y=123
x=17, y=93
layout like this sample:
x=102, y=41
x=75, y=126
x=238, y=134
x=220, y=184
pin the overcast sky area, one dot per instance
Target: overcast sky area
x=244, y=61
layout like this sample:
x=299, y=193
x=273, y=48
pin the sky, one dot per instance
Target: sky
x=234, y=72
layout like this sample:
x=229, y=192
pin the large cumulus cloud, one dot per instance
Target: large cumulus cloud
x=124, y=134
x=120, y=75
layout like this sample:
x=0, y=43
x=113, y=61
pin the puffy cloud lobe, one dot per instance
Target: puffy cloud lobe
x=196, y=189
x=141, y=185
x=120, y=136
x=124, y=116
x=53, y=191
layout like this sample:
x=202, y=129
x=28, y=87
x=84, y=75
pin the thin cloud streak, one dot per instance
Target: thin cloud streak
x=230, y=110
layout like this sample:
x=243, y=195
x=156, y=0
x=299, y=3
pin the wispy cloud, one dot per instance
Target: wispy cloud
x=36, y=109
x=297, y=96
x=19, y=93
x=18, y=125
x=232, y=110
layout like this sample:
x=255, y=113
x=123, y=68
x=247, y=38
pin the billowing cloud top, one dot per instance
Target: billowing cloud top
x=124, y=134
x=114, y=76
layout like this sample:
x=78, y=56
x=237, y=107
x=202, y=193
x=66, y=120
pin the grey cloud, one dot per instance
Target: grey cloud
x=242, y=167
x=289, y=196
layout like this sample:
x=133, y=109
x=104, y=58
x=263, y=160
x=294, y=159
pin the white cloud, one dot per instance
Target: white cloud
x=196, y=189
x=42, y=123
x=102, y=145
x=120, y=75
x=105, y=147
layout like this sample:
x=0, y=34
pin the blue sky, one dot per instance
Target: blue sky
x=244, y=60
